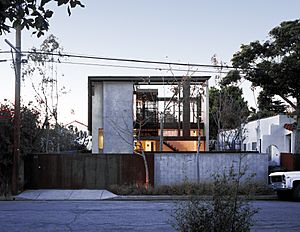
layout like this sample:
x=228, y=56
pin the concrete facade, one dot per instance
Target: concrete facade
x=175, y=168
x=113, y=103
x=97, y=111
x=118, y=117
x=112, y=111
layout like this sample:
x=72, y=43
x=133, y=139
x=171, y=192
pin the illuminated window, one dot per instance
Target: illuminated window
x=100, y=138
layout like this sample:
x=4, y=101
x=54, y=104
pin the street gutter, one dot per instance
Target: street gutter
x=180, y=198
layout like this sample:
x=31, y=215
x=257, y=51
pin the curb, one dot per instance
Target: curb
x=146, y=198
x=181, y=198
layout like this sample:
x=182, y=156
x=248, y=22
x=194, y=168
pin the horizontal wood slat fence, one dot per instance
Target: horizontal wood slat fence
x=85, y=171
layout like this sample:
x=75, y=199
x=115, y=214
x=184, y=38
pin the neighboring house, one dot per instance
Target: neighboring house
x=272, y=135
x=83, y=137
x=122, y=108
x=77, y=126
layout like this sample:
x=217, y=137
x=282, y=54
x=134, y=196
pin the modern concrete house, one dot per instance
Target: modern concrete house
x=158, y=112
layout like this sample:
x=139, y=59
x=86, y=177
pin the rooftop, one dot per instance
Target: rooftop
x=155, y=80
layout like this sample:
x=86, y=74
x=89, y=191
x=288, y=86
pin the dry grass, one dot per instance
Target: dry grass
x=186, y=188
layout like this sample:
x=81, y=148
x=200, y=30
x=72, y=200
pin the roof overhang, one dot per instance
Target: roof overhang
x=154, y=80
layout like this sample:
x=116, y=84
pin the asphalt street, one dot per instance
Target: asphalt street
x=124, y=216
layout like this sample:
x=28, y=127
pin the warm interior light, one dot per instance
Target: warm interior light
x=100, y=138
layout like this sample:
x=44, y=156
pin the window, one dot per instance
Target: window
x=100, y=139
x=289, y=143
x=254, y=146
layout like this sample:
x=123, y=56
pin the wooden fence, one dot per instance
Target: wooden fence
x=85, y=171
x=290, y=162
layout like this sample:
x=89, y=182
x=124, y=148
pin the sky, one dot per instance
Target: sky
x=189, y=31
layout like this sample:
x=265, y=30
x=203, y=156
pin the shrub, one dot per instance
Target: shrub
x=186, y=188
x=227, y=211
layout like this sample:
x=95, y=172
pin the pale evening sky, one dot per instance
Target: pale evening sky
x=190, y=31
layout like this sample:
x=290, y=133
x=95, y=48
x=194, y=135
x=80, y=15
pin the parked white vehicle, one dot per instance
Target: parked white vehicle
x=286, y=184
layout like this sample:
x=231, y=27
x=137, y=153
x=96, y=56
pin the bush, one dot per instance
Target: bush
x=186, y=188
x=6, y=129
x=227, y=211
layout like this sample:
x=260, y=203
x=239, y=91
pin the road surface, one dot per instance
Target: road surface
x=124, y=216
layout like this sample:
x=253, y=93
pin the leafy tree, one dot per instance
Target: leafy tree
x=30, y=141
x=31, y=14
x=228, y=110
x=274, y=65
x=33, y=137
x=5, y=148
x=267, y=107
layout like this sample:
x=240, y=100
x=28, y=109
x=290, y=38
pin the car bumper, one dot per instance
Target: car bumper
x=279, y=186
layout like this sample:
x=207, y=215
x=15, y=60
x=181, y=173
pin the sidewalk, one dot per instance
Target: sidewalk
x=95, y=195
x=64, y=195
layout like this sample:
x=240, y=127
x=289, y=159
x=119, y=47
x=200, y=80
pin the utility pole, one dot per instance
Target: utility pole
x=16, y=152
x=161, y=135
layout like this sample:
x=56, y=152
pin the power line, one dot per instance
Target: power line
x=132, y=60
x=126, y=60
x=134, y=67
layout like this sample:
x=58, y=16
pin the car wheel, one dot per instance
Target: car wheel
x=284, y=195
x=296, y=193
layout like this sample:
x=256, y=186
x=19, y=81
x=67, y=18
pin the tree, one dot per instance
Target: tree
x=228, y=111
x=41, y=69
x=30, y=14
x=274, y=65
x=32, y=138
x=267, y=107
x=30, y=142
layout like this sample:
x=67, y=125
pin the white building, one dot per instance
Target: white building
x=269, y=135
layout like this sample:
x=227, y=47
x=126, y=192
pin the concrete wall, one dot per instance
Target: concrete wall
x=175, y=168
x=97, y=112
x=118, y=117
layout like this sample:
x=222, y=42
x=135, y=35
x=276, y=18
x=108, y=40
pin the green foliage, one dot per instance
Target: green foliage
x=30, y=14
x=6, y=128
x=274, y=65
x=57, y=139
x=29, y=128
x=232, y=76
x=225, y=212
x=32, y=136
x=29, y=139
x=267, y=107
